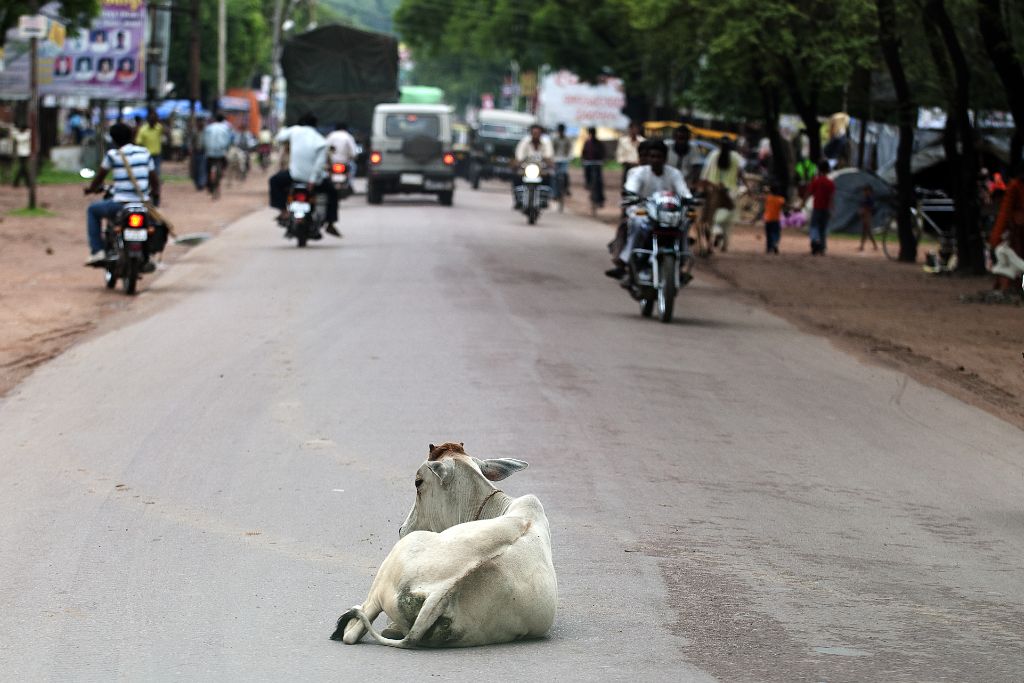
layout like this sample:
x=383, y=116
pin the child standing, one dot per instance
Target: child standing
x=773, y=204
x=867, y=217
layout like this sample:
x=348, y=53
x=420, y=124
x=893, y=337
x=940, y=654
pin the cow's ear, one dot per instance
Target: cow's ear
x=442, y=469
x=430, y=448
x=500, y=468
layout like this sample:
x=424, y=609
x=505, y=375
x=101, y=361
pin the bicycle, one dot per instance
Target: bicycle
x=928, y=204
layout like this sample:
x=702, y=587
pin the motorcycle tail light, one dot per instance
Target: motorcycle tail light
x=338, y=168
x=136, y=220
x=375, y=158
x=448, y=159
x=299, y=196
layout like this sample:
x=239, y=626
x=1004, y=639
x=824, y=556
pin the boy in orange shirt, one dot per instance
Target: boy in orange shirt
x=773, y=203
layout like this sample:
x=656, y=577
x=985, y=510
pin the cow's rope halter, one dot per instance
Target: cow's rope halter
x=480, y=510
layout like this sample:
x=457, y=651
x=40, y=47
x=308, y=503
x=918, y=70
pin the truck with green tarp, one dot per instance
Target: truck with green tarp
x=340, y=74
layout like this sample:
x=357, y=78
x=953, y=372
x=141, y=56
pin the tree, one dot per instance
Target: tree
x=1007, y=65
x=78, y=13
x=248, y=46
x=959, y=137
x=890, y=42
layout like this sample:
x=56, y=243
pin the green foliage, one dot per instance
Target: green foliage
x=248, y=46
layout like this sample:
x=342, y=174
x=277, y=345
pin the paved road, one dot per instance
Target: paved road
x=199, y=493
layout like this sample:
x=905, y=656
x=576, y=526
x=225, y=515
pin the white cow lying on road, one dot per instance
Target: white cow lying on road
x=472, y=566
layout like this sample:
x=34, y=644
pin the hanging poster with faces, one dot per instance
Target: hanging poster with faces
x=103, y=61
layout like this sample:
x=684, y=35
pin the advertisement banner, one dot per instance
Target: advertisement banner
x=104, y=61
x=563, y=98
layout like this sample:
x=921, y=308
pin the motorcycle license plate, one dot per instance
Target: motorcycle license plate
x=339, y=177
x=136, y=235
x=532, y=180
x=411, y=179
x=299, y=207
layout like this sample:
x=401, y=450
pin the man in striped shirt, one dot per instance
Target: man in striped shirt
x=144, y=172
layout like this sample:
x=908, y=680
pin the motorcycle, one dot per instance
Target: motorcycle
x=340, y=178
x=306, y=211
x=531, y=192
x=263, y=155
x=130, y=239
x=656, y=271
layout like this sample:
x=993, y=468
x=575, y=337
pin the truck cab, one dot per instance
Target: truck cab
x=411, y=152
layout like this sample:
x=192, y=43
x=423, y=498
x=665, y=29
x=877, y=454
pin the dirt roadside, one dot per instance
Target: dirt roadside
x=48, y=299
x=888, y=313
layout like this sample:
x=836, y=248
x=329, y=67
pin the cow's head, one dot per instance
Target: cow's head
x=452, y=486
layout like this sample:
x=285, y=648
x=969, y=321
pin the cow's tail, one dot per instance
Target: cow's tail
x=357, y=614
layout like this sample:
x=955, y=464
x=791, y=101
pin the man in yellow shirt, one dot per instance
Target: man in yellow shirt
x=151, y=136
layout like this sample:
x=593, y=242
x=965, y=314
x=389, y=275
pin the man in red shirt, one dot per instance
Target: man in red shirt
x=822, y=190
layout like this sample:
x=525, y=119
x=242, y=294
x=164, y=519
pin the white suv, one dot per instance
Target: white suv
x=411, y=152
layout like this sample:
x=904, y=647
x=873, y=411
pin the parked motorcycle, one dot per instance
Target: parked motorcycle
x=306, y=211
x=658, y=269
x=531, y=192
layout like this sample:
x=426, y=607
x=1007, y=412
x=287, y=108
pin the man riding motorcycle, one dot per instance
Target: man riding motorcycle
x=307, y=163
x=140, y=165
x=641, y=183
x=536, y=148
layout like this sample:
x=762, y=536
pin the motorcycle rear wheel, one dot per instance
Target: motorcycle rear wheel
x=667, y=290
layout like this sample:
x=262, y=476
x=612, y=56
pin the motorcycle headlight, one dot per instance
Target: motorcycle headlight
x=670, y=219
x=532, y=171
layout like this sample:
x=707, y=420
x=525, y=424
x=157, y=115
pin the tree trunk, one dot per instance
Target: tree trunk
x=1007, y=66
x=806, y=107
x=907, y=110
x=780, y=158
x=964, y=170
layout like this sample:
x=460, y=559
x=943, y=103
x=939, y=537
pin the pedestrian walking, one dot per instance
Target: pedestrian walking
x=867, y=217
x=773, y=205
x=627, y=151
x=592, y=157
x=22, y=150
x=821, y=191
x=198, y=156
x=6, y=151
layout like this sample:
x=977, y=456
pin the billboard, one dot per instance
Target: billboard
x=563, y=98
x=105, y=61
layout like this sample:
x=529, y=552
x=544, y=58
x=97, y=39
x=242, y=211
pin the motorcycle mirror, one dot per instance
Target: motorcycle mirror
x=87, y=173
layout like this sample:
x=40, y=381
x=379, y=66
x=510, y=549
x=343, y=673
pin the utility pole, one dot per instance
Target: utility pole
x=222, y=39
x=193, y=63
x=275, y=62
x=33, y=119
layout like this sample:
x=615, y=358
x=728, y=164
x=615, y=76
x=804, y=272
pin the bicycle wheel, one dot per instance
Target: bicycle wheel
x=891, y=236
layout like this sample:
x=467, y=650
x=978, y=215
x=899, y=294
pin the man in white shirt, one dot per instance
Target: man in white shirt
x=562, y=148
x=535, y=148
x=307, y=163
x=644, y=181
x=627, y=152
x=341, y=146
x=721, y=176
